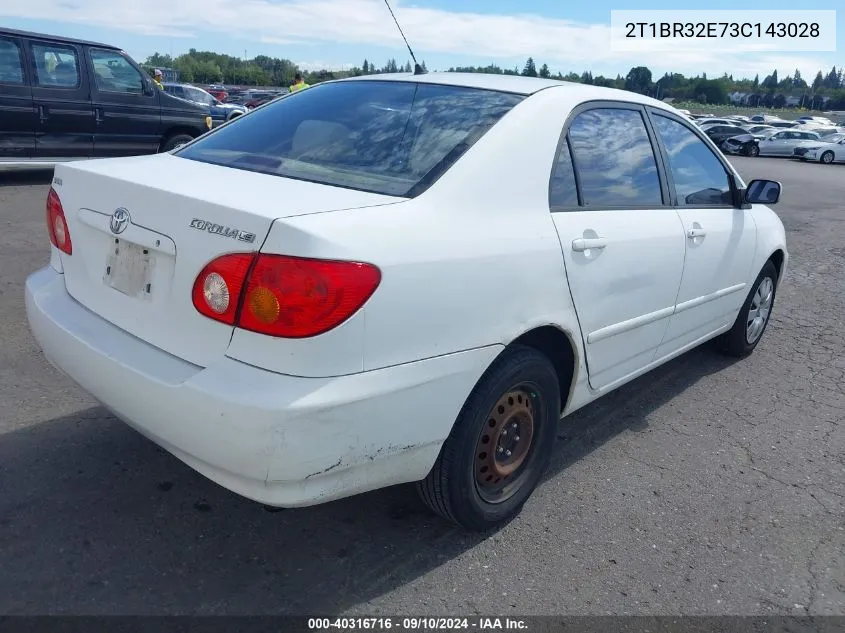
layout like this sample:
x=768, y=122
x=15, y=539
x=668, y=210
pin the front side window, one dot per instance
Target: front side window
x=11, y=68
x=614, y=159
x=56, y=66
x=699, y=176
x=389, y=137
x=114, y=73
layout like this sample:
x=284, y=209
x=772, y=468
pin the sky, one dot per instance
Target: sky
x=568, y=35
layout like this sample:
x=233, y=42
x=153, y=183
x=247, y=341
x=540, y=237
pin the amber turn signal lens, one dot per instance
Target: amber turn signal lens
x=263, y=305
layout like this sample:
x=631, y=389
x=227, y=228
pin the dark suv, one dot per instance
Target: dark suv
x=64, y=99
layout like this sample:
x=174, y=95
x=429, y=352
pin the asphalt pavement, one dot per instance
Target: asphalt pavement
x=709, y=486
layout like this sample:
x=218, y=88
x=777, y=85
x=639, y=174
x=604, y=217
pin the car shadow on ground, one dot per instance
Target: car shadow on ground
x=95, y=519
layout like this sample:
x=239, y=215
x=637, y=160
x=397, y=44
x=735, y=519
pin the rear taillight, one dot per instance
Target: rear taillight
x=282, y=296
x=56, y=223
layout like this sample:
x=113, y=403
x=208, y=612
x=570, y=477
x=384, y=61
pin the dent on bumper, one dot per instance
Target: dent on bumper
x=280, y=440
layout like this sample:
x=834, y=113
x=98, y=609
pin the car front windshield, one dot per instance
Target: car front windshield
x=390, y=137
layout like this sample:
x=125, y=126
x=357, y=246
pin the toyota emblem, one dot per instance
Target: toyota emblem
x=119, y=220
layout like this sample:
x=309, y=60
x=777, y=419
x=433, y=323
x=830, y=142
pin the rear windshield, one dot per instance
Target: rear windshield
x=389, y=137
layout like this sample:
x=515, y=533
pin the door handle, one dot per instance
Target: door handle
x=42, y=113
x=98, y=115
x=694, y=233
x=586, y=243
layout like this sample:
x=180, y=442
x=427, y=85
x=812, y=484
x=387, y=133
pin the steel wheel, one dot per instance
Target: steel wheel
x=504, y=444
x=758, y=312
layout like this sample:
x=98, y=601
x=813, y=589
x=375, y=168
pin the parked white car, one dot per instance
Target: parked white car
x=830, y=149
x=785, y=142
x=400, y=279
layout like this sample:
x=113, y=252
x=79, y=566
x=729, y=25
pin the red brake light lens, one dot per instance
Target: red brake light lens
x=56, y=223
x=283, y=296
x=217, y=289
x=294, y=297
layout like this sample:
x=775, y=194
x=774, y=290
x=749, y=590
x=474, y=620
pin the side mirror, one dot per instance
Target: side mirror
x=763, y=192
x=147, y=86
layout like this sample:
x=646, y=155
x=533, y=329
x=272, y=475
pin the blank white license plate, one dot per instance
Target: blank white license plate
x=129, y=269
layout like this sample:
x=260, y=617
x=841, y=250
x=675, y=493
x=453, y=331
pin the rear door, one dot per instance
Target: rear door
x=623, y=244
x=62, y=98
x=127, y=114
x=17, y=111
x=720, y=238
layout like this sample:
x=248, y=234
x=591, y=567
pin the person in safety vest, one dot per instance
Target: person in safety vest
x=298, y=83
x=157, y=76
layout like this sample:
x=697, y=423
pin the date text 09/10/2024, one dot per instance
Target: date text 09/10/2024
x=718, y=30
x=417, y=624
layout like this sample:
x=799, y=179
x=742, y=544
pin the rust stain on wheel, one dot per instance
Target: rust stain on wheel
x=504, y=444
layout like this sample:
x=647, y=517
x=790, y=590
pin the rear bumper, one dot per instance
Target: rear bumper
x=280, y=440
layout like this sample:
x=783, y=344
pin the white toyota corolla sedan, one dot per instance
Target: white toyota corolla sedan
x=400, y=279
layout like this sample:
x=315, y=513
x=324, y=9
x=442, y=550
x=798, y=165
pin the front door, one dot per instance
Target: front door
x=127, y=115
x=623, y=244
x=777, y=144
x=720, y=238
x=62, y=100
x=17, y=112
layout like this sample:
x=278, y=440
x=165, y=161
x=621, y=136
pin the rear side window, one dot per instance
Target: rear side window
x=11, y=68
x=56, y=66
x=389, y=137
x=700, y=178
x=563, y=190
x=614, y=159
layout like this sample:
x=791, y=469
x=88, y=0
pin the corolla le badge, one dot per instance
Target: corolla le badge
x=223, y=231
x=119, y=220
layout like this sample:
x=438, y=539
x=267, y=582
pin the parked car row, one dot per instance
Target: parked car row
x=809, y=138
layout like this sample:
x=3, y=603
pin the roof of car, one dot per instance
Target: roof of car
x=517, y=84
x=55, y=38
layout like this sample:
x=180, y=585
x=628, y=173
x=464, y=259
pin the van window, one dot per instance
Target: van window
x=390, y=137
x=56, y=66
x=114, y=73
x=11, y=68
x=614, y=159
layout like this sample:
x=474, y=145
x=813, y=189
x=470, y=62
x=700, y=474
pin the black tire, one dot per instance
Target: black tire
x=735, y=342
x=174, y=141
x=754, y=151
x=826, y=157
x=452, y=489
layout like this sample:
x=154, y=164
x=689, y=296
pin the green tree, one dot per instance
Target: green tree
x=818, y=82
x=710, y=91
x=544, y=71
x=530, y=70
x=638, y=80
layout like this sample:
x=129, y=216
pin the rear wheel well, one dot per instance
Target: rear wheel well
x=777, y=259
x=555, y=345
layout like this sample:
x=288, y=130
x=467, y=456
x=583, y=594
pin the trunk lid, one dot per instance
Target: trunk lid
x=177, y=215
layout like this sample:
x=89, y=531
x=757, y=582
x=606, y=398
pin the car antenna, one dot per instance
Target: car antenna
x=418, y=70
